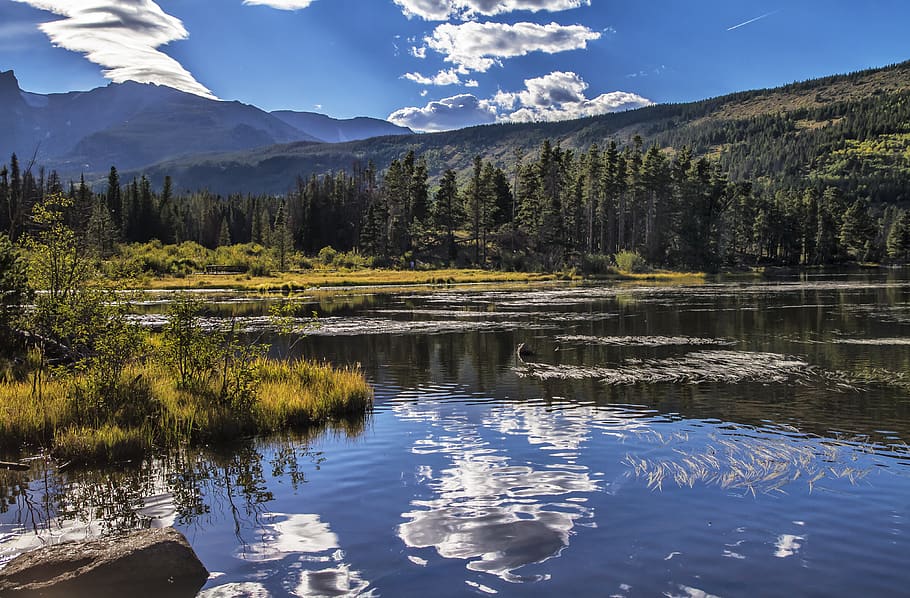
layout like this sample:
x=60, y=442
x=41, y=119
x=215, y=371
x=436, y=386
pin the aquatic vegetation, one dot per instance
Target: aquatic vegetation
x=872, y=341
x=642, y=341
x=879, y=376
x=752, y=464
x=729, y=367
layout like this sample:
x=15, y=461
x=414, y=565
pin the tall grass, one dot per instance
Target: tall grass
x=54, y=414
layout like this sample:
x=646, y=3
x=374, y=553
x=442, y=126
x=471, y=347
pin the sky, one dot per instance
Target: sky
x=444, y=64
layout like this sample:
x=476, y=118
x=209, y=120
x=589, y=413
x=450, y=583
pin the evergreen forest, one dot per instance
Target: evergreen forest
x=553, y=209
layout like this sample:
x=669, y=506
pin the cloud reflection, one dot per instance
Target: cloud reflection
x=498, y=516
x=305, y=549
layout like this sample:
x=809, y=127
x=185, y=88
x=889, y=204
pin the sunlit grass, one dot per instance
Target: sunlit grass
x=292, y=396
x=291, y=281
x=31, y=412
x=305, y=393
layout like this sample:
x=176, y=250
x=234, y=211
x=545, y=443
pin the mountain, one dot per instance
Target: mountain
x=846, y=130
x=333, y=130
x=133, y=125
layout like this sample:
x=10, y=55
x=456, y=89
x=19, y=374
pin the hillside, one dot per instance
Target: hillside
x=840, y=128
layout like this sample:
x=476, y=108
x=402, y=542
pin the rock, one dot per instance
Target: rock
x=155, y=562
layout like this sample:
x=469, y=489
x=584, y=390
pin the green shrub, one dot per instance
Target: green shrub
x=327, y=255
x=596, y=263
x=630, y=261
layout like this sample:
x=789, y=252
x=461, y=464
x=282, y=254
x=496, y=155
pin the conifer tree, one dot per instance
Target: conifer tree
x=857, y=231
x=898, y=242
x=445, y=212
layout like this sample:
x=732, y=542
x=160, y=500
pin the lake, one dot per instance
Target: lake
x=732, y=438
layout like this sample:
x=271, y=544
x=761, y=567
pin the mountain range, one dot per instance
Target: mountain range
x=849, y=131
x=134, y=125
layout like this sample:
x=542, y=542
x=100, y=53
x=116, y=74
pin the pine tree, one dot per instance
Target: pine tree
x=445, y=212
x=4, y=200
x=282, y=238
x=224, y=235
x=857, y=231
x=473, y=205
x=16, y=213
x=114, y=201
x=898, y=243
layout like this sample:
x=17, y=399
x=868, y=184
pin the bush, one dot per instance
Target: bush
x=630, y=261
x=327, y=255
x=596, y=263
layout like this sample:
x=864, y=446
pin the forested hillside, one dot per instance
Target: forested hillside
x=846, y=131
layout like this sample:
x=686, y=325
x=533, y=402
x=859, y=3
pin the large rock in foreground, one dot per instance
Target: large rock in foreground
x=155, y=562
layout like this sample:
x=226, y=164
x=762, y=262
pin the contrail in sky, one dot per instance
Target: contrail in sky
x=767, y=14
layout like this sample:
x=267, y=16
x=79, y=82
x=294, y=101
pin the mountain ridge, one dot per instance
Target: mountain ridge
x=135, y=125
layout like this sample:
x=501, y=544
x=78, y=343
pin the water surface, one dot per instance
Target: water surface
x=727, y=439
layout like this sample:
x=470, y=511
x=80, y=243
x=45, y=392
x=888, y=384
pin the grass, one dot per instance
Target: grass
x=295, y=281
x=317, y=278
x=662, y=276
x=156, y=414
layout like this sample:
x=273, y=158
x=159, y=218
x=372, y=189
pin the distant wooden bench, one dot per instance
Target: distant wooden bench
x=220, y=269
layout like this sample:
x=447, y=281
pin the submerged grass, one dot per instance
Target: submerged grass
x=52, y=414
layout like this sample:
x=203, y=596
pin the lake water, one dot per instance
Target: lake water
x=728, y=439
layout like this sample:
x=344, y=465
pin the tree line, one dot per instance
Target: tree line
x=553, y=209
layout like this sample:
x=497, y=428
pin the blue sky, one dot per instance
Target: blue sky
x=437, y=64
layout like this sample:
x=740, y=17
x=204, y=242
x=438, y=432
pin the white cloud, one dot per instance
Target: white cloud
x=448, y=77
x=442, y=10
x=419, y=52
x=123, y=37
x=455, y=112
x=557, y=96
x=280, y=4
x=471, y=83
x=478, y=46
x=431, y=10
x=561, y=96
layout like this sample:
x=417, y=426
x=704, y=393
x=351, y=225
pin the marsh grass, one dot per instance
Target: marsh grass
x=332, y=277
x=154, y=413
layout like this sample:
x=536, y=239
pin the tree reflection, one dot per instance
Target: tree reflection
x=191, y=488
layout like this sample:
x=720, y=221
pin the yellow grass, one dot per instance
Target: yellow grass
x=295, y=396
x=296, y=281
x=344, y=278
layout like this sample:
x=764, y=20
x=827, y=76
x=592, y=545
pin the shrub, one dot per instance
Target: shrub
x=327, y=255
x=630, y=261
x=596, y=263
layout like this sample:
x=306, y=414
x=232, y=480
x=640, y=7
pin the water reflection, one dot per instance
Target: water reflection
x=299, y=554
x=190, y=488
x=497, y=515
